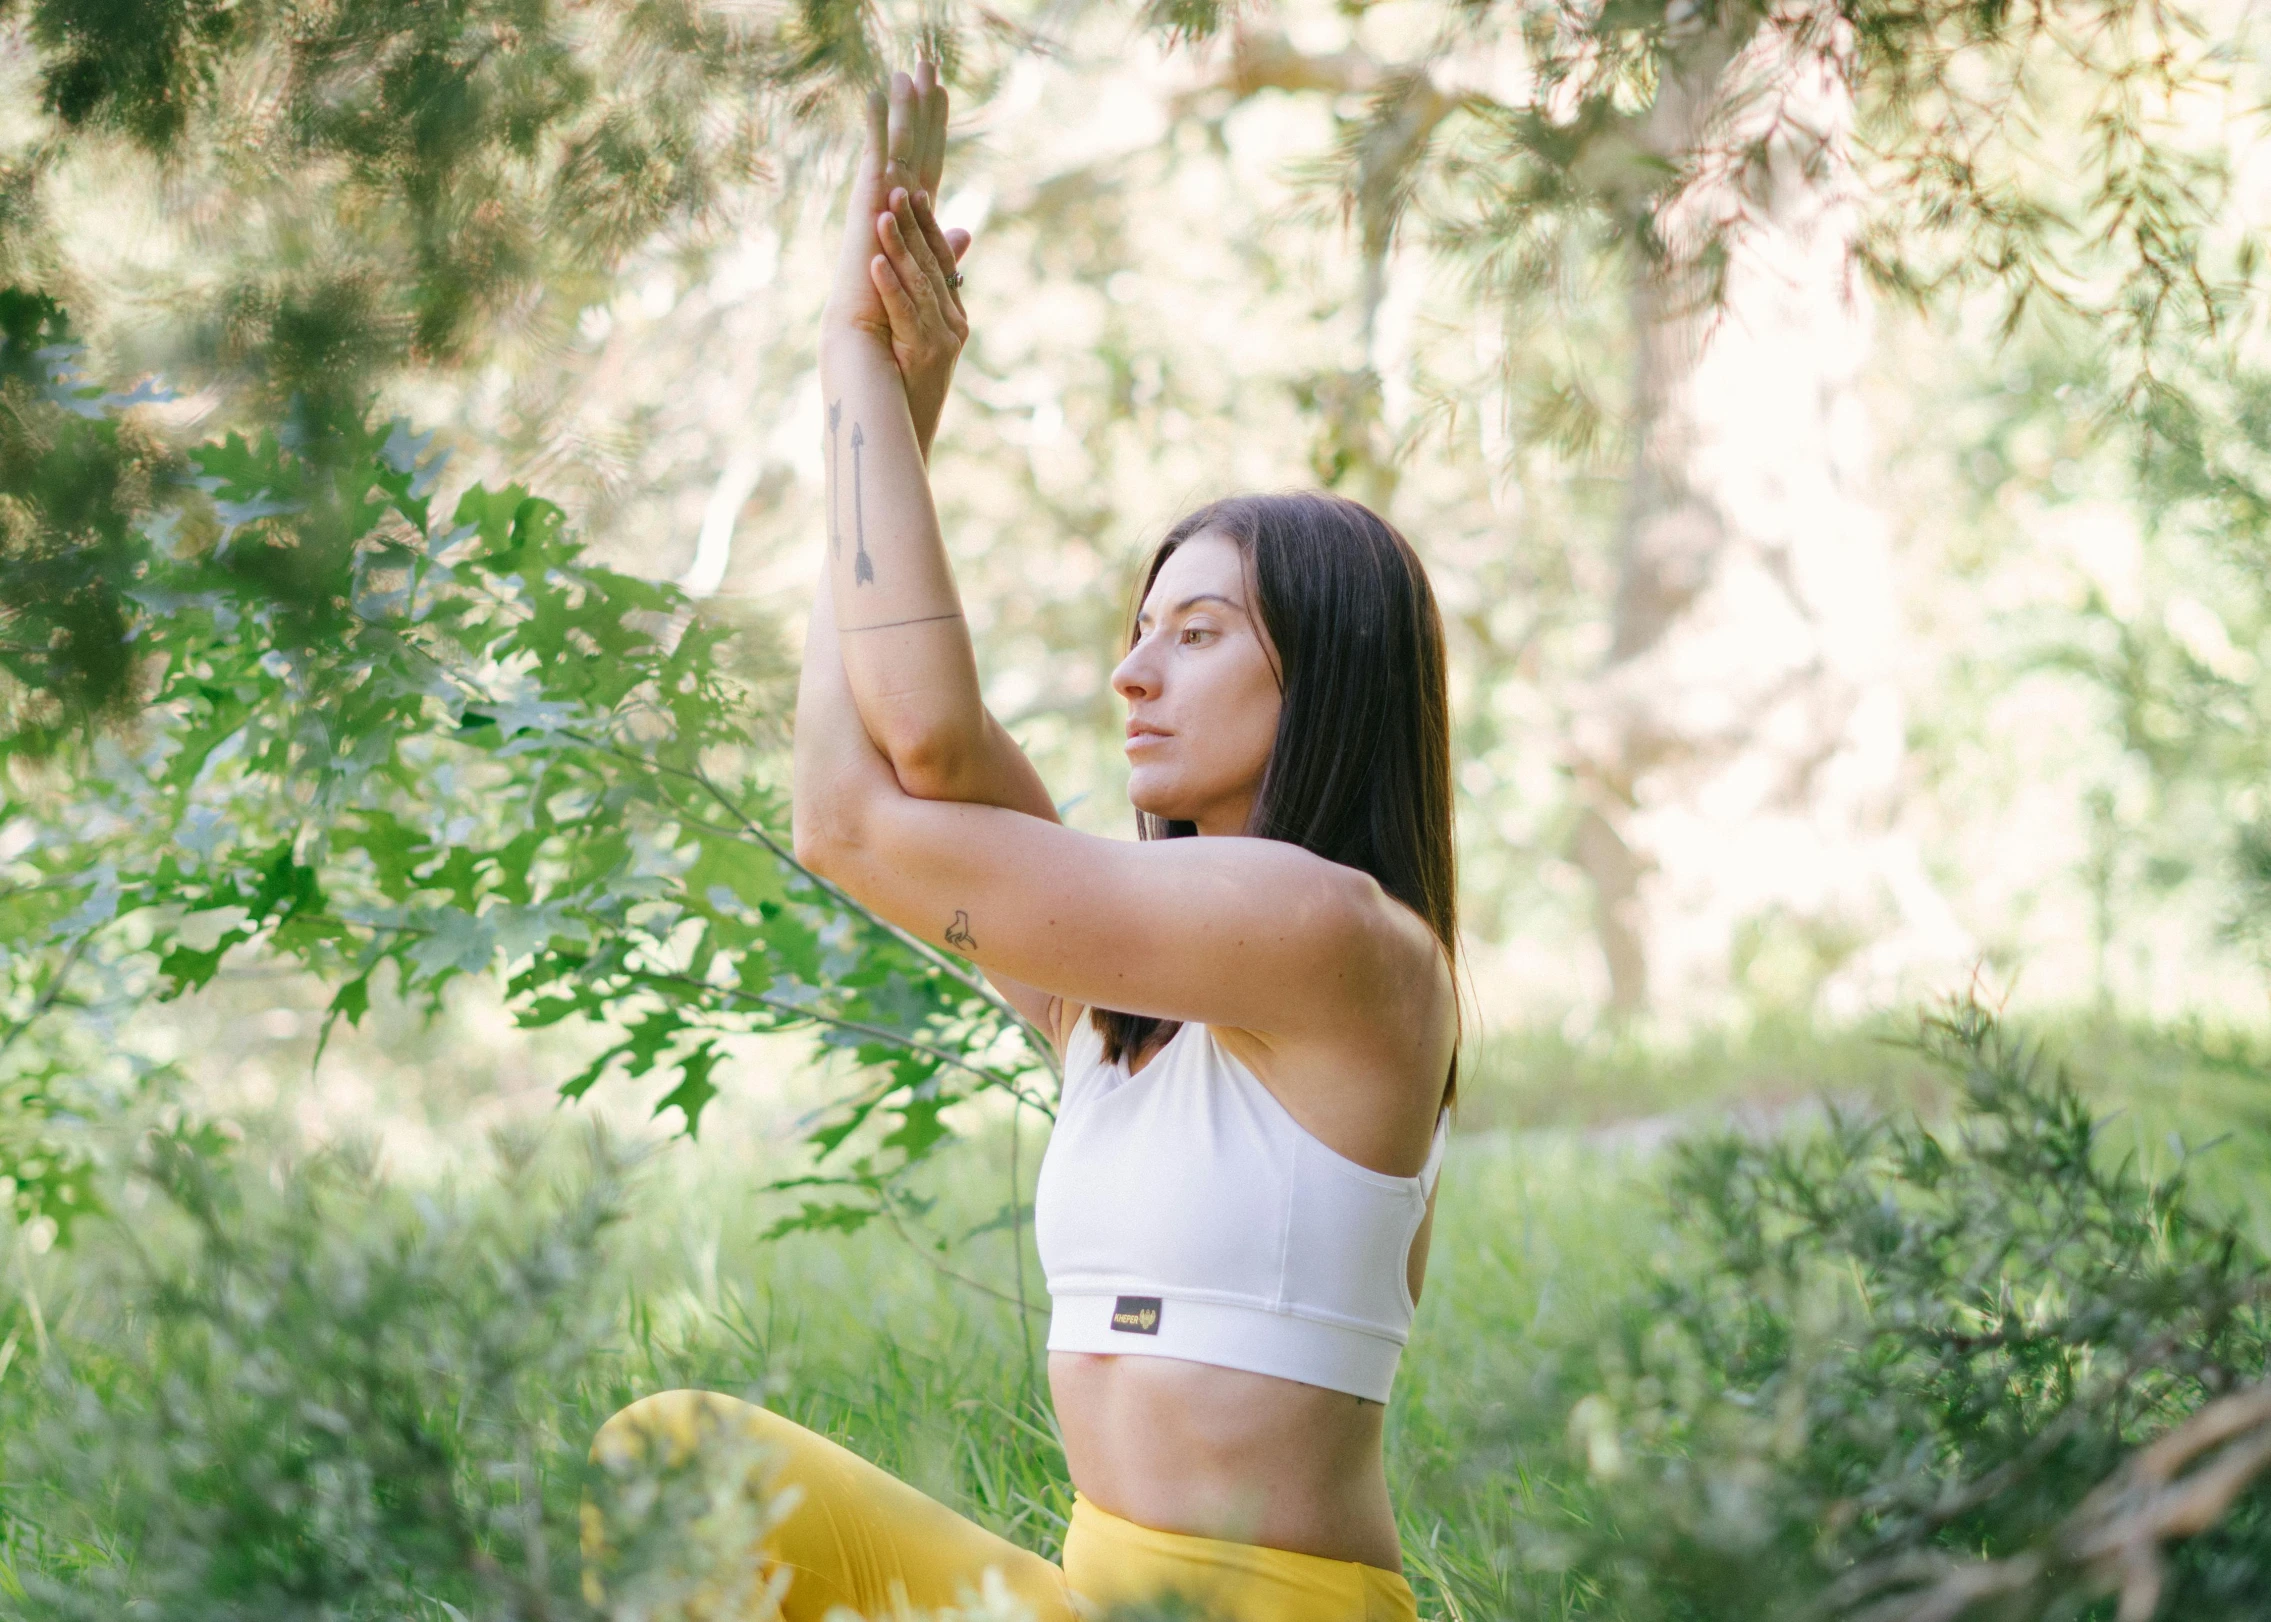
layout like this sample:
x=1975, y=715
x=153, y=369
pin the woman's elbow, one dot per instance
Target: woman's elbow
x=936, y=746
x=822, y=835
x=931, y=762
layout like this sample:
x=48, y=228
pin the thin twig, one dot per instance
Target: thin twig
x=1017, y=1235
x=897, y=1039
x=2114, y=1541
x=1003, y=1296
x=51, y=995
x=976, y=982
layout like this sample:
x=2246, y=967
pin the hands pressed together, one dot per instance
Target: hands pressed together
x=896, y=279
x=889, y=711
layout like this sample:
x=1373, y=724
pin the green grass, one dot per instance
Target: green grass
x=1544, y=1236
x=864, y=1339
x=861, y=1339
x=1538, y=1077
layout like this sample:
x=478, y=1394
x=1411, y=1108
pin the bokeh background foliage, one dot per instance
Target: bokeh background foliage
x=1836, y=433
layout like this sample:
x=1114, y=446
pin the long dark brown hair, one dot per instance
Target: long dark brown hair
x=1360, y=771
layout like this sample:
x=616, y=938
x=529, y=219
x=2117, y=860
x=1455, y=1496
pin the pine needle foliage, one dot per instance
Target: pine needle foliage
x=2026, y=149
x=402, y=174
x=1901, y=1350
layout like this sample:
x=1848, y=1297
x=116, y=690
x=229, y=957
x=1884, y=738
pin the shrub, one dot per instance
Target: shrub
x=1901, y=1353
x=307, y=1393
x=321, y=1398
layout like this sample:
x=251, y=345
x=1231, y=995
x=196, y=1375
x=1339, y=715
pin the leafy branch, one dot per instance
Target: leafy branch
x=371, y=736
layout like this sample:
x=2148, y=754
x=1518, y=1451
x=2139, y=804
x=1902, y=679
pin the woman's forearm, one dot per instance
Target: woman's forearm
x=838, y=772
x=905, y=646
x=886, y=355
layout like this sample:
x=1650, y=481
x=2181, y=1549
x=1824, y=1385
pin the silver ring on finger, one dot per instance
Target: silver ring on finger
x=954, y=279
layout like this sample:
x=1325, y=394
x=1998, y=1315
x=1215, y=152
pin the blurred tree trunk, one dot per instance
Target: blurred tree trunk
x=1354, y=450
x=1739, y=757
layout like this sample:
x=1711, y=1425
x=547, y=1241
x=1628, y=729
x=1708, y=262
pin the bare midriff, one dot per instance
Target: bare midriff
x=1221, y=1453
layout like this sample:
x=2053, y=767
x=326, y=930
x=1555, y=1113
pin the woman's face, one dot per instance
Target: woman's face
x=1202, y=691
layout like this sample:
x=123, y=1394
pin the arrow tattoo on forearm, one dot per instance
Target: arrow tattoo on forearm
x=863, y=568
x=835, y=524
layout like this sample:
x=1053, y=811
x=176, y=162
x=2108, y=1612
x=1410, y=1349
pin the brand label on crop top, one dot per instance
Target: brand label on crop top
x=1136, y=1315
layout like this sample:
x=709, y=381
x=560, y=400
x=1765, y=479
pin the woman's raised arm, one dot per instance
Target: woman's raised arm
x=905, y=646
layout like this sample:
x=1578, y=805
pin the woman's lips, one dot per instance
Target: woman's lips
x=1139, y=736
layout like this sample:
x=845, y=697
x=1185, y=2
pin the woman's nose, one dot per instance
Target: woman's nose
x=1134, y=678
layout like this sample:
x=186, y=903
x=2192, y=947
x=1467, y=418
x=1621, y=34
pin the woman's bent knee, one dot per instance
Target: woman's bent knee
x=812, y=1523
x=683, y=1497
x=664, y=1430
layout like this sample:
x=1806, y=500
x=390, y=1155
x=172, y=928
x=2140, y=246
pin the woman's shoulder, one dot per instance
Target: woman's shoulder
x=1368, y=1082
x=1357, y=959
x=1409, y=964
x=1345, y=900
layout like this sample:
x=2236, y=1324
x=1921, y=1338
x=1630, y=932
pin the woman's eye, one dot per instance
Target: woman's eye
x=1194, y=634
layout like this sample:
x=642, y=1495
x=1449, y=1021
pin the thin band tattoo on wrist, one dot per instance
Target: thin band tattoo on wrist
x=958, y=932
x=889, y=625
x=835, y=523
x=863, y=568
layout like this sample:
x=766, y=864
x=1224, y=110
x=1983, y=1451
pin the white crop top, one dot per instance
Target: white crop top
x=1181, y=1212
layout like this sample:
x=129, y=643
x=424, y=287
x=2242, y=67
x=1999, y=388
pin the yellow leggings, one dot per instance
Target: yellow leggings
x=859, y=1537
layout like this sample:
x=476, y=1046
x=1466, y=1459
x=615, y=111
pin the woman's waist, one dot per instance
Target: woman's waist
x=1112, y=1561
x=1204, y=1451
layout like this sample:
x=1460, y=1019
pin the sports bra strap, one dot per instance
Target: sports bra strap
x=1428, y=1172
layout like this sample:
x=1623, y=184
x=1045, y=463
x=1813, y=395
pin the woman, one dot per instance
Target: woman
x=1254, y=1005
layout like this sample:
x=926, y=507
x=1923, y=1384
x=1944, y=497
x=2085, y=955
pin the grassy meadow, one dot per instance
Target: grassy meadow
x=347, y=1365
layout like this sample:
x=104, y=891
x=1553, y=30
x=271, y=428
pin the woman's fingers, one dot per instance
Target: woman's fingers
x=924, y=254
x=903, y=263
x=934, y=132
x=904, y=131
x=957, y=243
x=942, y=248
x=909, y=256
x=905, y=153
x=906, y=320
x=918, y=117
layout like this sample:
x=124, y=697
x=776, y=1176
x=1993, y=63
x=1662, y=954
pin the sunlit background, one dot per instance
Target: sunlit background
x=1956, y=685
x=1854, y=566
